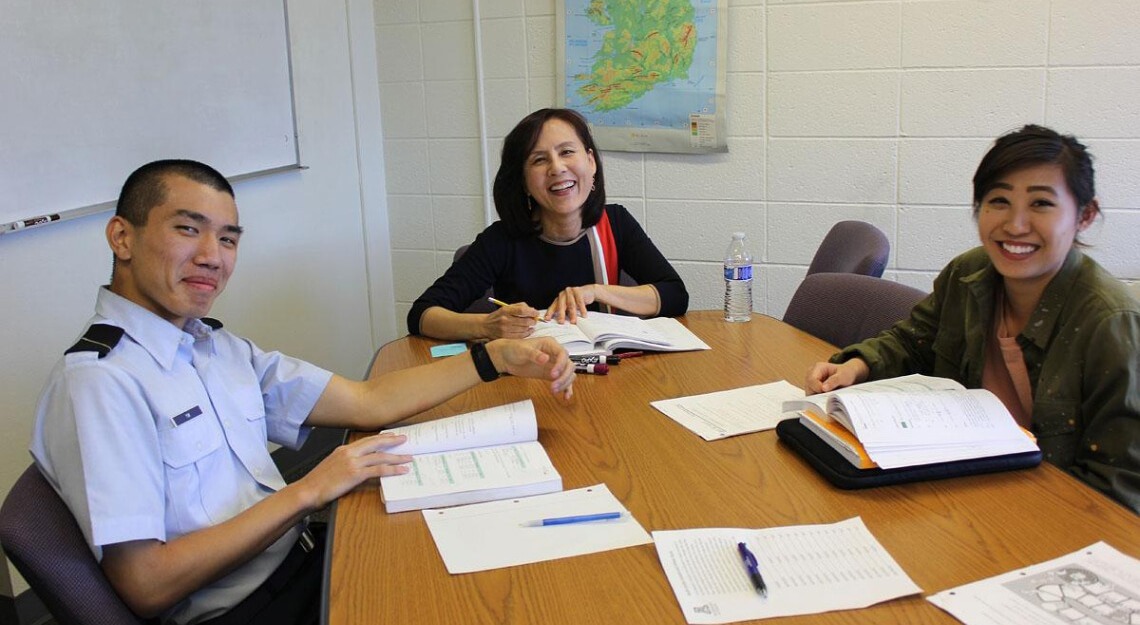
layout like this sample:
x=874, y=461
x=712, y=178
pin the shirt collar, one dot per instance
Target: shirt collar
x=156, y=335
x=1045, y=316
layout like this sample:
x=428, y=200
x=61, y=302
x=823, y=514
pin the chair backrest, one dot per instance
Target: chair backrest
x=41, y=538
x=480, y=305
x=852, y=247
x=845, y=308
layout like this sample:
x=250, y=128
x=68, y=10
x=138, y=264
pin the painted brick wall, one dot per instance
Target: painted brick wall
x=871, y=110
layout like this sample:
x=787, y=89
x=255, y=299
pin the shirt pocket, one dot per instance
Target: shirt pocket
x=949, y=349
x=249, y=405
x=190, y=442
x=185, y=449
x=1055, y=423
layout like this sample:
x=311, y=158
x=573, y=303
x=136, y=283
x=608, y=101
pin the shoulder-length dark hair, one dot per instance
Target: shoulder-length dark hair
x=1036, y=145
x=511, y=200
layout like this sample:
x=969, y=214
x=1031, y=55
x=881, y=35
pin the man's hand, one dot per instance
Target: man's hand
x=825, y=377
x=515, y=321
x=535, y=358
x=350, y=465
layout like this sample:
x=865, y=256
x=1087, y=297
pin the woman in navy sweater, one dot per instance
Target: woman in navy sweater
x=557, y=244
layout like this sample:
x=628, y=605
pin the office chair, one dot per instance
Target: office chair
x=852, y=247
x=42, y=539
x=845, y=308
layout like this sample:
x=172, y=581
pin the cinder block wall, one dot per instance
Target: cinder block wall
x=875, y=110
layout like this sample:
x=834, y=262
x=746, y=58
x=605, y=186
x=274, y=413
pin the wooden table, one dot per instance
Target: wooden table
x=385, y=568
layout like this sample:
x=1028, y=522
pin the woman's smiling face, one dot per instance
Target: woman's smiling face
x=559, y=171
x=1028, y=222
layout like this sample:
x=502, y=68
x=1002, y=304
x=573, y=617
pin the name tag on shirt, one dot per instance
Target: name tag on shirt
x=179, y=419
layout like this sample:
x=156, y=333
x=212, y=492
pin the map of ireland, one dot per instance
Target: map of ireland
x=647, y=74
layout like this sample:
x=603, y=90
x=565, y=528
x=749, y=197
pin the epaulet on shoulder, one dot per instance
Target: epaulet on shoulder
x=213, y=323
x=100, y=338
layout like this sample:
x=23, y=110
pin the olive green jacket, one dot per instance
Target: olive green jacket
x=1082, y=351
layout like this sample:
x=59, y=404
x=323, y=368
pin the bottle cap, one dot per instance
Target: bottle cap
x=738, y=235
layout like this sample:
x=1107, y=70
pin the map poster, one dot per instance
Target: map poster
x=649, y=75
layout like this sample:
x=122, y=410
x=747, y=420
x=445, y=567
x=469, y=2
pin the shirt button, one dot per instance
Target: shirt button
x=198, y=446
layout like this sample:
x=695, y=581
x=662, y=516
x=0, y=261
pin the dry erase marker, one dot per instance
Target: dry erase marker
x=599, y=369
x=34, y=221
x=625, y=355
x=578, y=518
x=595, y=359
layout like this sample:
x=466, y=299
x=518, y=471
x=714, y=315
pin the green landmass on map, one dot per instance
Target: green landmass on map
x=652, y=42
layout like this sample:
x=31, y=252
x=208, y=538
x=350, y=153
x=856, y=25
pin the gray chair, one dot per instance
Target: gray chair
x=480, y=305
x=852, y=247
x=845, y=308
x=42, y=539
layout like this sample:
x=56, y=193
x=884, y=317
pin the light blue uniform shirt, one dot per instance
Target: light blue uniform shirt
x=167, y=435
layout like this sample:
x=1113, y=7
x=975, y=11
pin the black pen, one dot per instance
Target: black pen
x=753, y=569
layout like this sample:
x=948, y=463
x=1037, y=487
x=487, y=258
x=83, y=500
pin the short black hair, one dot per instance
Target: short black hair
x=1036, y=145
x=511, y=199
x=146, y=188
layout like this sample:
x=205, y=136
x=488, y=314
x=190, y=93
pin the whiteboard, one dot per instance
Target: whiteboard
x=92, y=90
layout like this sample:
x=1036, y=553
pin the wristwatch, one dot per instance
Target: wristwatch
x=483, y=364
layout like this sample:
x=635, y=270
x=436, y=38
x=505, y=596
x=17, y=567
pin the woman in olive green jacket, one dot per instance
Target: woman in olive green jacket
x=1028, y=316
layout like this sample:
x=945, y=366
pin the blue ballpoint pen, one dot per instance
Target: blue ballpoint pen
x=579, y=518
x=753, y=569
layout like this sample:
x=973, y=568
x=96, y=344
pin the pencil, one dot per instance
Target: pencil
x=502, y=304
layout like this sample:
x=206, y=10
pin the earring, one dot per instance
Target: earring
x=591, y=185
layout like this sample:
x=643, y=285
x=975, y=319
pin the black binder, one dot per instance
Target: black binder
x=837, y=470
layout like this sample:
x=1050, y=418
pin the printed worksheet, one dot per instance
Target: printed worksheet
x=808, y=569
x=729, y=413
x=1097, y=585
x=507, y=534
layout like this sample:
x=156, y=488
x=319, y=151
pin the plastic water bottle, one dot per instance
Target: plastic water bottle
x=737, y=280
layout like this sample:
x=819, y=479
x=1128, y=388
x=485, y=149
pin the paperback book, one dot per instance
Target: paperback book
x=478, y=456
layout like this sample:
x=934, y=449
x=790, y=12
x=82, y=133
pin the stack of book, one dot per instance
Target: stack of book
x=911, y=421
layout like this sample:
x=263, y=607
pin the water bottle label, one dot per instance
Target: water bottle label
x=738, y=273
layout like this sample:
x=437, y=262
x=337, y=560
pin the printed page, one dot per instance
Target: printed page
x=817, y=404
x=677, y=336
x=904, y=429
x=808, y=569
x=567, y=334
x=505, y=541
x=484, y=468
x=510, y=423
x=1097, y=585
x=732, y=412
x=602, y=326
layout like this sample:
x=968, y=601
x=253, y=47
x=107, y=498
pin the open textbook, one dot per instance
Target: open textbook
x=478, y=456
x=602, y=333
x=912, y=420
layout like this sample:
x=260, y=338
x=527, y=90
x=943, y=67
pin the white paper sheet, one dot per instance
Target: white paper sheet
x=1097, y=585
x=729, y=413
x=491, y=535
x=808, y=569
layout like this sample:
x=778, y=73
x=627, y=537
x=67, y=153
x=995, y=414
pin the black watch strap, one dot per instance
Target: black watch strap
x=483, y=364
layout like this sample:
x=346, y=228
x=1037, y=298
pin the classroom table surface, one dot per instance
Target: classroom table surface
x=384, y=568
